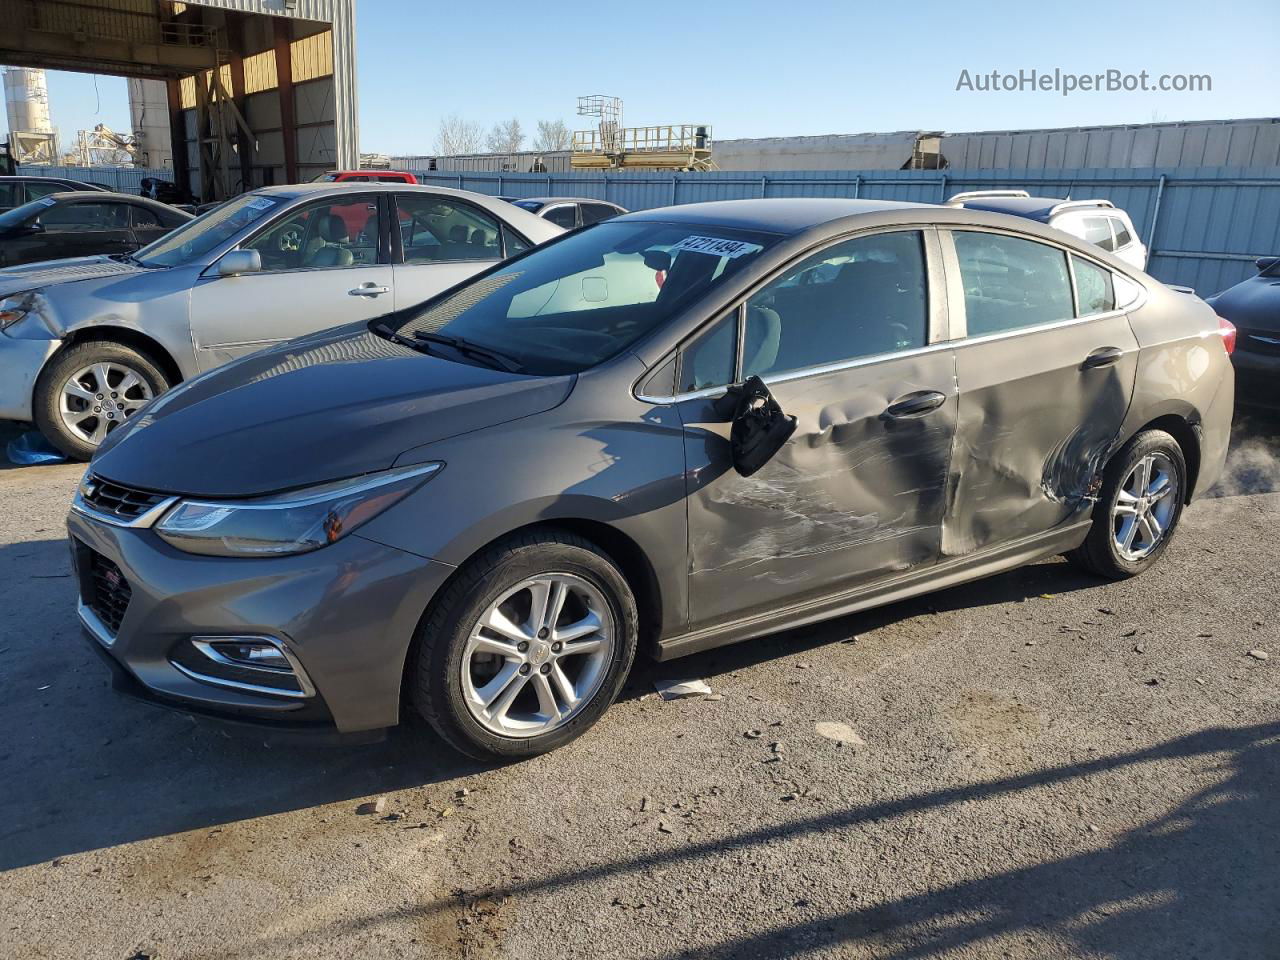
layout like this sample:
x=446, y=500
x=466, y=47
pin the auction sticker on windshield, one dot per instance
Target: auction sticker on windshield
x=261, y=203
x=717, y=247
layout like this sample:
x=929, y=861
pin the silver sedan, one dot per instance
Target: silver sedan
x=84, y=343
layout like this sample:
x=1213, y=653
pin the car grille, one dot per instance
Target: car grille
x=108, y=592
x=1248, y=340
x=115, y=500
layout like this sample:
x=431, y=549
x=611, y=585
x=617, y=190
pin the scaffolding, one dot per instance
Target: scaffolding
x=611, y=146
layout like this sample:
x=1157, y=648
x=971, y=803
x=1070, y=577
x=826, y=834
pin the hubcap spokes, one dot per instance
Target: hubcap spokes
x=100, y=397
x=1144, y=507
x=538, y=655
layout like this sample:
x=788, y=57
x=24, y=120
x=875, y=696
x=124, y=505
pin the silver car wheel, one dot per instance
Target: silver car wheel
x=98, y=398
x=538, y=655
x=1145, y=507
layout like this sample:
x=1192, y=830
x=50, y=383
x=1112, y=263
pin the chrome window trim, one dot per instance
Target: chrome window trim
x=205, y=645
x=937, y=301
x=960, y=331
x=141, y=521
x=93, y=623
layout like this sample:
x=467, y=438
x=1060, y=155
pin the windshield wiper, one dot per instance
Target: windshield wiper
x=495, y=358
x=127, y=258
x=382, y=330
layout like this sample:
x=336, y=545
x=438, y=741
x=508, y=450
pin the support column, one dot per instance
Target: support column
x=284, y=88
x=178, y=134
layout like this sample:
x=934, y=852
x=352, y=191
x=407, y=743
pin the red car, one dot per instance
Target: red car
x=366, y=176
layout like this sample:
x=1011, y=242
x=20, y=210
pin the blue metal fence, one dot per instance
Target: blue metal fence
x=1204, y=225
x=124, y=179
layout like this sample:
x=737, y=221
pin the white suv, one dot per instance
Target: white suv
x=1098, y=222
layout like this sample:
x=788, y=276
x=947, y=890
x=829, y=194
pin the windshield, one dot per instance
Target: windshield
x=325, y=178
x=197, y=237
x=578, y=302
x=533, y=205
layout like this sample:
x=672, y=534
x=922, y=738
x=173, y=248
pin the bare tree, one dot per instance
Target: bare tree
x=505, y=137
x=458, y=136
x=552, y=135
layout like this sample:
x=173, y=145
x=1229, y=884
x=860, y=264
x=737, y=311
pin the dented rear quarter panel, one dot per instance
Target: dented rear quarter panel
x=1183, y=371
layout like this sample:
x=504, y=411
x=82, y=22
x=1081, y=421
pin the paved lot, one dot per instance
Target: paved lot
x=1049, y=767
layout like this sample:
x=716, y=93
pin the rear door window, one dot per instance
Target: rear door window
x=1097, y=230
x=1010, y=283
x=1123, y=236
x=563, y=216
x=595, y=212
x=435, y=229
x=86, y=216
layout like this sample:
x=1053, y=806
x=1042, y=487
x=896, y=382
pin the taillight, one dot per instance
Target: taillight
x=1228, y=331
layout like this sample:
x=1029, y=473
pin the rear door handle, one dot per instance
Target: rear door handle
x=369, y=290
x=915, y=404
x=1102, y=357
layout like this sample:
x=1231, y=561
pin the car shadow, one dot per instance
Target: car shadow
x=85, y=768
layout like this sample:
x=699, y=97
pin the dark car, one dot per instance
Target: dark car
x=568, y=212
x=1253, y=307
x=652, y=434
x=15, y=191
x=82, y=224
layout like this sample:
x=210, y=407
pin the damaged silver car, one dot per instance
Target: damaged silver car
x=677, y=429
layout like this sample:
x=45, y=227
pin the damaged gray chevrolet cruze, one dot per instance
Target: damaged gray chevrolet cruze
x=677, y=429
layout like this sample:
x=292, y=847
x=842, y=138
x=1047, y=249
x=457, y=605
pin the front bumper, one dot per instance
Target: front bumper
x=20, y=364
x=346, y=614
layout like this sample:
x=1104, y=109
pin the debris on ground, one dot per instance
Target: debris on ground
x=679, y=689
x=1259, y=654
x=839, y=732
x=753, y=734
x=372, y=806
x=644, y=804
x=461, y=793
x=714, y=697
x=662, y=826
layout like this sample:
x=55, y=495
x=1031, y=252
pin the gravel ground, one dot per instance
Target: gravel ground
x=1037, y=765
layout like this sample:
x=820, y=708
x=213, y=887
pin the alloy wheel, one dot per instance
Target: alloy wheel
x=538, y=655
x=1145, y=506
x=98, y=398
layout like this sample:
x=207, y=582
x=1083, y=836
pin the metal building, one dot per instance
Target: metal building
x=258, y=91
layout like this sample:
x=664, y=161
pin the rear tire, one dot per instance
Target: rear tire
x=100, y=374
x=461, y=663
x=1143, y=491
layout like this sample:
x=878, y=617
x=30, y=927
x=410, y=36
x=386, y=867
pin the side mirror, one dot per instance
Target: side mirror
x=33, y=226
x=1265, y=263
x=236, y=262
x=759, y=429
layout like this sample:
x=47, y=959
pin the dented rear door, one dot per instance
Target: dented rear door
x=858, y=491
x=1043, y=392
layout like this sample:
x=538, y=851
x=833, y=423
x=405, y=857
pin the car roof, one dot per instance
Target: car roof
x=608, y=203
x=1033, y=208
x=293, y=190
x=785, y=216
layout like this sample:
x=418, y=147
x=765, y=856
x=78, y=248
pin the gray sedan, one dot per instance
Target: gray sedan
x=84, y=343
x=677, y=429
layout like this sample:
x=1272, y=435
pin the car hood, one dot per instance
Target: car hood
x=31, y=276
x=1253, y=304
x=328, y=406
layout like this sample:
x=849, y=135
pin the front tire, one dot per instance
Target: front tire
x=526, y=647
x=89, y=390
x=1138, y=509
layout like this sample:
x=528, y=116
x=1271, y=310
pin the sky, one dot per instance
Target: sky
x=760, y=69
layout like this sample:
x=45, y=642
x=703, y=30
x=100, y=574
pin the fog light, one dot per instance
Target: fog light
x=252, y=653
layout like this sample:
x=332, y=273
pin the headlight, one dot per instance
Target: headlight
x=288, y=522
x=13, y=309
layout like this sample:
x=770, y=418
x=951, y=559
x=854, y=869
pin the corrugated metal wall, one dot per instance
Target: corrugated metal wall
x=1209, y=224
x=124, y=179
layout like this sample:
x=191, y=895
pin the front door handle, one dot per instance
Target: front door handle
x=1102, y=357
x=915, y=404
x=369, y=290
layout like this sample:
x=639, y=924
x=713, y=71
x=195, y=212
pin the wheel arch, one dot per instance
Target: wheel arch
x=1186, y=432
x=126, y=336
x=637, y=569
